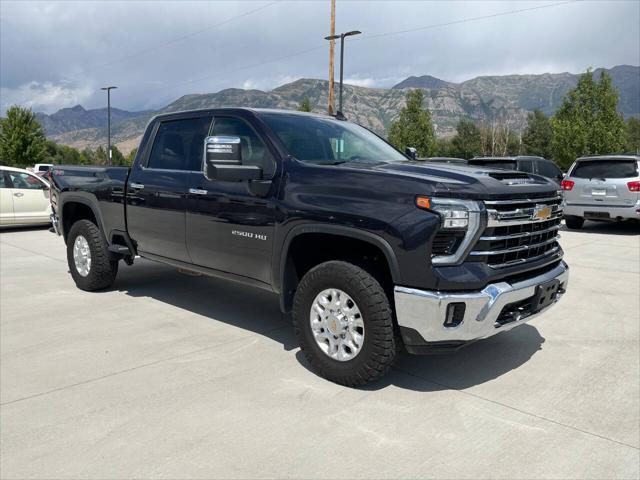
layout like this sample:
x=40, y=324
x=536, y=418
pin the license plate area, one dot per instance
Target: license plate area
x=546, y=294
x=599, y=192
x=597, y=215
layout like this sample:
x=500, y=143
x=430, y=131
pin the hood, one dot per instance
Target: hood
x=466, y=181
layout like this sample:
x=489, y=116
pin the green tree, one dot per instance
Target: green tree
x=467, y=142
x=444, y=148
x=117, y=158
x=305, y=105
x=632, y=144
x=87, y=157
x=100, y=156
x=22, y=140
x=414, y=127
x=131, y=157
x=587, y=122
x=537, y=136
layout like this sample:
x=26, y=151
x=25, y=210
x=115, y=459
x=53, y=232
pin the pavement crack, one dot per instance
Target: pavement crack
x=137, y=367
x=523, y=412
x=33, y=252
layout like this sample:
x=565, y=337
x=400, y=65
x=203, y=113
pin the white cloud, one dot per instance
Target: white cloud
x=46, y=97
x=52, y=54
x=268, y=83
x=361, y=82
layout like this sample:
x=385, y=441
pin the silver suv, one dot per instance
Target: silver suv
x=602, y=187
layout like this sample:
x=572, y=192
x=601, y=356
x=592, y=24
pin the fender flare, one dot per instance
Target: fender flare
x=336, y=230
x=68, y=197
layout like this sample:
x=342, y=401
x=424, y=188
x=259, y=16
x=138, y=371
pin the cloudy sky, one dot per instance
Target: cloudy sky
x=58, y=54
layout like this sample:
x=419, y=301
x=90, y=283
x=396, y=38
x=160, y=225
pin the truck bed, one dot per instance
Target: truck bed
x=97, y=186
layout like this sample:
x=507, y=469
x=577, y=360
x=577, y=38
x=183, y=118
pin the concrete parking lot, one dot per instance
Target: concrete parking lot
x=174, y=376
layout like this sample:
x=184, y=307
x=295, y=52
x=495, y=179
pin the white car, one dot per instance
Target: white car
x=24, y=198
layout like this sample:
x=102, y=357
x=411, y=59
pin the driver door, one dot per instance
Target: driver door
x=230, y=225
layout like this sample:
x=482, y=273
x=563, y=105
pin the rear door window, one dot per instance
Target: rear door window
x=605, y=169
x=25, y=181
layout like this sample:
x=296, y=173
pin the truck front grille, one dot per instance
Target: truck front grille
x=519, y=231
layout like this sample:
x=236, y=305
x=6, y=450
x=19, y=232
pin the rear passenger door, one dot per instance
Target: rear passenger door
x=30, y=198
x=157, y=186
x=6, y=199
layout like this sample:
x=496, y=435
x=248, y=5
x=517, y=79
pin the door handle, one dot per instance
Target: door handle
x=137, y=186
x=197, y=191
x=18, y=194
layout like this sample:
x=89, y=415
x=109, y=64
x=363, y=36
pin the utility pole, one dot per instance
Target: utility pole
x=108, y=89
x=332, y=44
x=341, y=36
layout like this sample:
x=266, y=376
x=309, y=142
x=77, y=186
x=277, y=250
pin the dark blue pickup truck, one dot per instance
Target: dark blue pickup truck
x=370, y=251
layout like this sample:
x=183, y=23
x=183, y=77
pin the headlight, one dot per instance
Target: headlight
x=456, y=215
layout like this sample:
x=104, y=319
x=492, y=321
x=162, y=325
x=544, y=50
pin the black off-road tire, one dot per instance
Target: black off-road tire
x=573, y=222
x=104, y=268
x=378, y=349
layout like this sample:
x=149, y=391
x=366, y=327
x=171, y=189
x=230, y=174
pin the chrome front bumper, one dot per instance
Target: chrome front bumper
x=425, y=311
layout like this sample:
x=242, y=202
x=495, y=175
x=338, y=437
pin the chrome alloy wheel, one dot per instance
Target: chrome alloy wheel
x=82, y=256
x=337, y=324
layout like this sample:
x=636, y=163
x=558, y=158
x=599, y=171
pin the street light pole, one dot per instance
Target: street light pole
x=342, y=36
x=108, y=89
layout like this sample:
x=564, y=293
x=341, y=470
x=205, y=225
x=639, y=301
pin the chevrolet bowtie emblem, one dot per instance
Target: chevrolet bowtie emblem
x=541, y=212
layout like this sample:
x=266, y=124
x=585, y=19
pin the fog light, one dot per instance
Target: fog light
x=455, y=314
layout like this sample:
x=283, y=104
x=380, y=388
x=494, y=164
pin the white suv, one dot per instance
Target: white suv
x=602, y=187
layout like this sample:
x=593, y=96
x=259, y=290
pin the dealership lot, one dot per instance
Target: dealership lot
x=176, y=376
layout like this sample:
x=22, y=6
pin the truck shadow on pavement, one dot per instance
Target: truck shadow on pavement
x=258, y=311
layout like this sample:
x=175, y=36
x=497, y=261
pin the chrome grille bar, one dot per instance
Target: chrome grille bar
x=515, y=236
x=522, y=200
x=520, y=235
x=549, y=253
x=518, y=216
x=515, y=249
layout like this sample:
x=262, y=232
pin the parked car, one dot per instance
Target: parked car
x=529, y=164
x=602, y=187
x=42, y=168
x=24, y=198
x=369, y=251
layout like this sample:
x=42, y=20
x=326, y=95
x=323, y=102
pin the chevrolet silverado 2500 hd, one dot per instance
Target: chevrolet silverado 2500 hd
x=369, y=251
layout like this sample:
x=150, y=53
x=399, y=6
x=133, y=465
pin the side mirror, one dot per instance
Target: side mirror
x=411, y=152
x=223, y=161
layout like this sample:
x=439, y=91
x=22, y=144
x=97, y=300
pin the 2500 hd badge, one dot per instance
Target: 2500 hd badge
x=257, y=236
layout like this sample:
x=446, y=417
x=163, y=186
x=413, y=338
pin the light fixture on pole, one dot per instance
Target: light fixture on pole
x=341, y=36
x=108, y=89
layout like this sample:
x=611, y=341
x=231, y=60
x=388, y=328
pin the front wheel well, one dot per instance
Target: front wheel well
x=310, y=249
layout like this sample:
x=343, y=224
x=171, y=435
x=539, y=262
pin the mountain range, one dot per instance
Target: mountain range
x=487, y=98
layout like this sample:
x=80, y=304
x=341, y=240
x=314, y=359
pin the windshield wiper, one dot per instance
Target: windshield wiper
x=337, y=162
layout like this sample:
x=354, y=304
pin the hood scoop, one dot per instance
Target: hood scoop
x=512, y=178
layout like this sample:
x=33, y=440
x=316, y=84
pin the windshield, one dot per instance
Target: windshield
x=605, y=169
x=504, y=164
x=327, y=141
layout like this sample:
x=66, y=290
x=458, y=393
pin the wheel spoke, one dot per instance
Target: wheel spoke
x=337, y=324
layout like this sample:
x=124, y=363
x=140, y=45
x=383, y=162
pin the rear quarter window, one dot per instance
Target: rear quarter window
x=605, y=169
